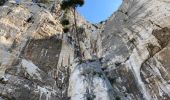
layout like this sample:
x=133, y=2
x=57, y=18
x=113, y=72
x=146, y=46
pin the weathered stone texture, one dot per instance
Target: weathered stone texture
x=126, y=57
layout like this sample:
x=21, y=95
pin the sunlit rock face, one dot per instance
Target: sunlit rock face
x=135, y=47
x=87, y=81
x=35, y=54
x=125, y=57
x=27, y=41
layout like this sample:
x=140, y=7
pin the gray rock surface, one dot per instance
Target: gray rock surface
x=125, y=57
x=133, y=39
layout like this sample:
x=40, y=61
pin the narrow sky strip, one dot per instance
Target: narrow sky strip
x=98, y=10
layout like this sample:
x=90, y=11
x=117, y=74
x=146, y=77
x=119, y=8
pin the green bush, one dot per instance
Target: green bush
x=118, y=98
x=81, y=30
x=44, y=1
x=90, y=97
x=71, y=3
x=65, y=22
x=66, y=4
x=78, y=2
x=2, y=2
x=112, y=80
x=65, y=29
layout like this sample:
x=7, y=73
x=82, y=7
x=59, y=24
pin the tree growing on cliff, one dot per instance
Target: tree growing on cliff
x=71, y=3
x=66, y=4
x=2, y=2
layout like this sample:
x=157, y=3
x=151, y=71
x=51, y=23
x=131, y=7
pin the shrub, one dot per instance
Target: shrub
x=44, y=1
x=91, y=97
x=112, y=80
x=81, y=29
x=2, y=2
x=118, y=98
x=71, y=3
x=65, y=22
x=66, y=4
x=78, y=2
x=65, y=29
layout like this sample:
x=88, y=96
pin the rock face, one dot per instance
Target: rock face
x=125, y=57
x=134, y=40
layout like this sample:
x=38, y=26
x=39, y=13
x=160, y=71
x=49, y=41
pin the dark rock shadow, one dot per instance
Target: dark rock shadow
x=44, y=53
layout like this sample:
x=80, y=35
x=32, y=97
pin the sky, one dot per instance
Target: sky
x=98, y=10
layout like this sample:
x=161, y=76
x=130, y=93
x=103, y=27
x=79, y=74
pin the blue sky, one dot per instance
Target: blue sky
x=98, y=10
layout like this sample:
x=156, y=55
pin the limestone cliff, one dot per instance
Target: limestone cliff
x=125, y=57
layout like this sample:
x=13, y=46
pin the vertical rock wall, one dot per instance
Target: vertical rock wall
x=133, y=41
x=125, y=57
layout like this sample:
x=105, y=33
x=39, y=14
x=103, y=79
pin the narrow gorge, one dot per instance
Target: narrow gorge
x=126, y=57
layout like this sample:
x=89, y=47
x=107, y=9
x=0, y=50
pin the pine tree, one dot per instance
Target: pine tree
x=66, y=4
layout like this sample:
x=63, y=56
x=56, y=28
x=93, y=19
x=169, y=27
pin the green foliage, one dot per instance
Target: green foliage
x=81, y=30
x=65, y=29
x=78, y=2
x=2, y=31
x=112, y=80
x=66, y=4
x=118, y=98
x=91, y=97
x=44, y=1
x=2, y=2
x=65, y=22
x=71, y=3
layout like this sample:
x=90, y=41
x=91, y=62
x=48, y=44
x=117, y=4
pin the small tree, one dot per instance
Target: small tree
x=66, y=4
x=77, y=3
